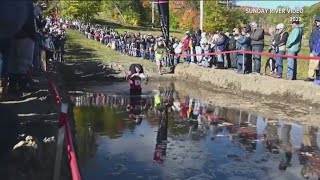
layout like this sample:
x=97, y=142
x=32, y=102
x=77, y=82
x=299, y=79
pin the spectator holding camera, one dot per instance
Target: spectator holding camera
x=314, y=38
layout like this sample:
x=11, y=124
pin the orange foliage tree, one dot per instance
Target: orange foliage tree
x=190, y=19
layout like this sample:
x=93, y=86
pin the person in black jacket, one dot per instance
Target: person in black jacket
x=279, y=47
x=138, y=42
x=143, y=46
x=198, y=48
x=232, y=46
x=193, y=48
x=257, y=43
x=150, y=50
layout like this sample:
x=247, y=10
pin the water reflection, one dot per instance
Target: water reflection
x=162, y=137
x=195, y=140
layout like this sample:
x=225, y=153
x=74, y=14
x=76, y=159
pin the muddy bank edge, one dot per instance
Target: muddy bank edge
x=265, y=87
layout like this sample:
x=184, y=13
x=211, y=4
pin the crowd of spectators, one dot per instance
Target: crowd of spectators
x=249, y=38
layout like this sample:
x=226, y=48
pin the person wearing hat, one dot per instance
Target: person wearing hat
x=293, y=47
x=279, y=47
x=314, y=37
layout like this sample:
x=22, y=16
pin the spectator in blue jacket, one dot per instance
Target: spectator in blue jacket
x=220, y=44
x=243, y=43
x=314, y=37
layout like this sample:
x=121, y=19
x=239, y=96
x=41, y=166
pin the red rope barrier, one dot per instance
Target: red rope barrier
x=237, y=51
x=63, y=122
x=251, y=52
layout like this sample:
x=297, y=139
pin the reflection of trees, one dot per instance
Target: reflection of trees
x=85, y=143
x=102, y=119
x=174, y=130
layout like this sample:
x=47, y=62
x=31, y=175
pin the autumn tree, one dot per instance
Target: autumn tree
x=189, y=20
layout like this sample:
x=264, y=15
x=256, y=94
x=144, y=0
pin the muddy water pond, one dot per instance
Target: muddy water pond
x=193, y=140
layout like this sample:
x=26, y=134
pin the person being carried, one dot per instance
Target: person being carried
x=135, y=76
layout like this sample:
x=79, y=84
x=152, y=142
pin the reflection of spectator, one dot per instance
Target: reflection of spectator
x=285, y=159
x=306, y=136
x=285, y=149
x=271, y=136
x=309, y=140
x=101, y=100
x=285, y=134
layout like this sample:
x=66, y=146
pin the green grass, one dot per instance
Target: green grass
x=82, y=48
x=302, y=64
x=101, y=19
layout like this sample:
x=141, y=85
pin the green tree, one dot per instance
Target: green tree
x=135, y=12
x=84, y=10
x=174, y=21
x=219, y=18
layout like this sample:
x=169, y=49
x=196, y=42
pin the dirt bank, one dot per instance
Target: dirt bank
x=28, y=135
x=259, y=87
x=266, y=108
x=106, y=78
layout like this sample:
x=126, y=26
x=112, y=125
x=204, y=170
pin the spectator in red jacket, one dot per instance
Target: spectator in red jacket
x=186, y=46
